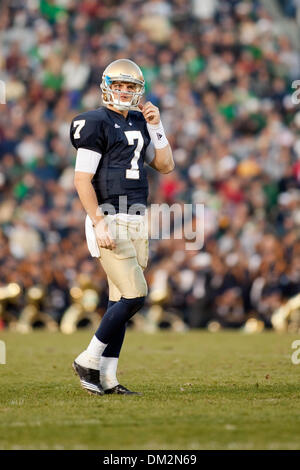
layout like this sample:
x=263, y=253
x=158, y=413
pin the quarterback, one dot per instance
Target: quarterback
x=112, y=144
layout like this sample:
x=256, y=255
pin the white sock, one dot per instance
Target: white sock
x=90, y=358
x=96, y=347
x=108, y=372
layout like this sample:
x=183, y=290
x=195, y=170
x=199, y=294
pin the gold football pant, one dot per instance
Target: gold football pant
x=124, y=264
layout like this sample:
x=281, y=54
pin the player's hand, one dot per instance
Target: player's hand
x=150, y=112
x=104, y=237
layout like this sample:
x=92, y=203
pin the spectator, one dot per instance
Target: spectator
x=221, y=75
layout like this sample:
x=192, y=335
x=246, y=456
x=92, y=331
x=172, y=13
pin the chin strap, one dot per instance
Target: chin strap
x=121, y=107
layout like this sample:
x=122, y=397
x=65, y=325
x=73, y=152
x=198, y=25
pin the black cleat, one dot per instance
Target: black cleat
x=89, y=379
x=120, y=390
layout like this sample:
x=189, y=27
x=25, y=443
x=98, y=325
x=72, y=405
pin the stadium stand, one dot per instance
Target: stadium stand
x=221, y=73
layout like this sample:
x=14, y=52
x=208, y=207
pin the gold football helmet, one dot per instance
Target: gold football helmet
x=122, y=70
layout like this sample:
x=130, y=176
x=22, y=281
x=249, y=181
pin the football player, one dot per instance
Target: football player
x=111, y=182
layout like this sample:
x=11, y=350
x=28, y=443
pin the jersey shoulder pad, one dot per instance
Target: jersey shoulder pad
x=86, y=131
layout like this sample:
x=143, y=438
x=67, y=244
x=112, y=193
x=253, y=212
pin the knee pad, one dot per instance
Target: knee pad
x=133, y=305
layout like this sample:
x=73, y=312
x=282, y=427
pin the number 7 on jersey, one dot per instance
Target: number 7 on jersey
x=79, y=125
x=133, y=172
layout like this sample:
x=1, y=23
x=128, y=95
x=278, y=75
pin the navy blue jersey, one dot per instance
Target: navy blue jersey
x=122, y=143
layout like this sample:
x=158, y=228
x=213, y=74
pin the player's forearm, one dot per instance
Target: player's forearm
x=163, y=160
x=88, y=198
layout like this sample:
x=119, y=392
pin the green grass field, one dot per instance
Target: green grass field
x=226, y=390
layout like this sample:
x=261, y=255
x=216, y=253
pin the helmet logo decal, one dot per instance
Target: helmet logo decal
x=108, y=80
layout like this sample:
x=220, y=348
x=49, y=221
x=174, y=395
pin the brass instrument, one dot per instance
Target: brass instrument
x=253, y=325
x=85, y=300
x=9, y=293
x=287, y=317
x=157, y=314
x=32, y=313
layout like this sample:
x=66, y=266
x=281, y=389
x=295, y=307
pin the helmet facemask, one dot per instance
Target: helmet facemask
x=108, y=95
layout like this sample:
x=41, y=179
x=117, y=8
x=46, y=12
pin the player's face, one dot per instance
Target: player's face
x=123, y=91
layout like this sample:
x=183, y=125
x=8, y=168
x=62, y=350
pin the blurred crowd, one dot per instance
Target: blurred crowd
x=290, y=7
x=221, y=73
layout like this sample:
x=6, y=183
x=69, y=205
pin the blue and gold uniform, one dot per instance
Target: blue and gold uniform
x=122, y=144
x=112, y=148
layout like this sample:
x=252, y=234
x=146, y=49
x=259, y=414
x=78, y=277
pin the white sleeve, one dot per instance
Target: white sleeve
x=150, y=153
x=87, y=160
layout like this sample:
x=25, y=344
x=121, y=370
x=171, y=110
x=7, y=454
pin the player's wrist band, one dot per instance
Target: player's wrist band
x=157, y=134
